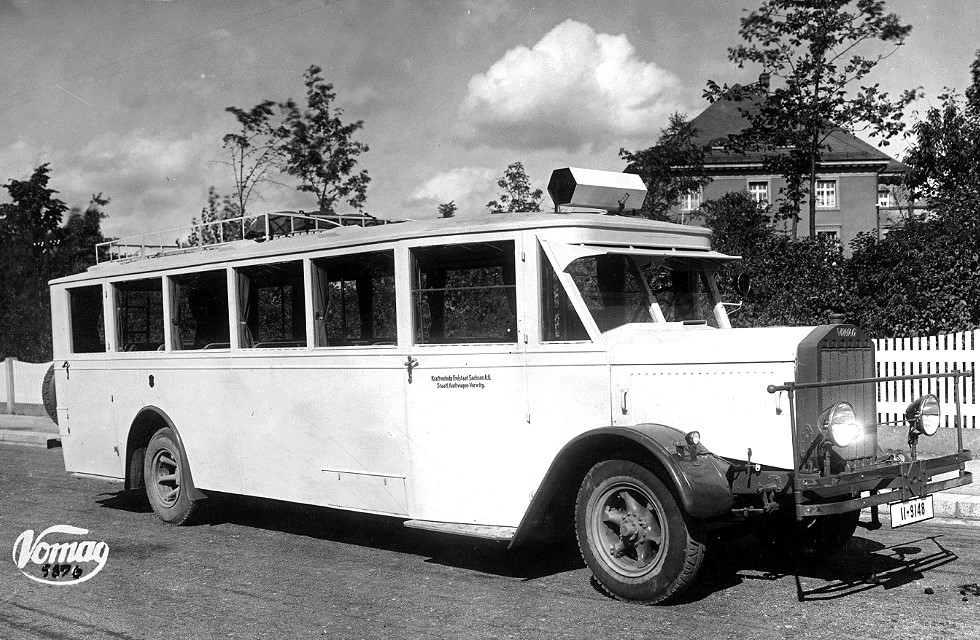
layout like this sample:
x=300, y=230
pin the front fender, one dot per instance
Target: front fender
x=702, y=488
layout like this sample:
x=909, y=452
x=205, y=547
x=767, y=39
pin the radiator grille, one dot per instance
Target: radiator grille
x=837, y=352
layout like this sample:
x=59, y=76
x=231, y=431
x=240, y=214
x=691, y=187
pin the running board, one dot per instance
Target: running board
x=485, y=531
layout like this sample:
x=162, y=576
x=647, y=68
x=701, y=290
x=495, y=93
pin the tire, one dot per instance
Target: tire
x=632, y=534
x=164, y=467
x=49, y=394
x=808, y=540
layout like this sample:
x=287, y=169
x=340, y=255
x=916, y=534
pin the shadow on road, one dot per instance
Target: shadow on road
x=379, y=532
x=862, y=565
x=733, y=556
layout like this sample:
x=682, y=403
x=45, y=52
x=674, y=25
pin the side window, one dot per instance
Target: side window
x=87, y=326
x=271, y=306
x=354, y=300
x=200, y=313
x=465, y=293
x=559, y=320
x=139, y=315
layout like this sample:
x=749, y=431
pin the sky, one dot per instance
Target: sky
x=128, y=97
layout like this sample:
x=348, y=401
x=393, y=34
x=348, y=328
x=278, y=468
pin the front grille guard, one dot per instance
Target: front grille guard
x=902, y=480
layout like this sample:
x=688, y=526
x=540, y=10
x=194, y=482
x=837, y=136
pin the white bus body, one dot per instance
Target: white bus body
x=488, y=434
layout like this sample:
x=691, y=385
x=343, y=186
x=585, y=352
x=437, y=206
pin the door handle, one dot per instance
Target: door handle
x=410, y=364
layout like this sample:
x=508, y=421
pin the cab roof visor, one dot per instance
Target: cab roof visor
x=592, y=189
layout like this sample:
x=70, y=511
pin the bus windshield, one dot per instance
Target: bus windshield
x=624, y=288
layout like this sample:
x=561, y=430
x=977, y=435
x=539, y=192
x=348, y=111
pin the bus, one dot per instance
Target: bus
x=519, y=377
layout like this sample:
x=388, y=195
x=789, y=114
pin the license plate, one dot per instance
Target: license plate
x=917, y=510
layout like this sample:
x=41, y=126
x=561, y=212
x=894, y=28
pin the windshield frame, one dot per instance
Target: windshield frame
x=564, y=254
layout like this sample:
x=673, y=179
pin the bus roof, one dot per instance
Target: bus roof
x=573, y=227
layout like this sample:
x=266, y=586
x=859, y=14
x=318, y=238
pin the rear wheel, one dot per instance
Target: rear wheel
x=164, y=468
x=632, y=534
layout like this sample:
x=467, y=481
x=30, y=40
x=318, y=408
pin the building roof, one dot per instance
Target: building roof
x=726, y=117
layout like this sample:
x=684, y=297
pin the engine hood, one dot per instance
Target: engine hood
x=639, y=344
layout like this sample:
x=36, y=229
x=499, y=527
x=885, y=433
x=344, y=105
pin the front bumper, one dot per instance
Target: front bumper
x=886, y=482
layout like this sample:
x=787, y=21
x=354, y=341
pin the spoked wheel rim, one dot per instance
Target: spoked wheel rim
x=166, y=477
x=627, y=525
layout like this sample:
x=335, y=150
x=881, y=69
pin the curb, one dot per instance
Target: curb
x=30, y=438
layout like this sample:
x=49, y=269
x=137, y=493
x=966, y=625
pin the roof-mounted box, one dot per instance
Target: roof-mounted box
x=589, y=188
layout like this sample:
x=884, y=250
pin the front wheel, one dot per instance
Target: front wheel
x=164, y=467
x=632, y=534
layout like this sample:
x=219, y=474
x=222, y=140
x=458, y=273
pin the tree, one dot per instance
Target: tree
x=79, y=237
x=920, y=279
x=945, y=148
x=448, y=209
x=256, y=149
x=795, y=281
x=218, y=208
x=670, y=169
x=33, y=213
x=321, y=150
x=34, y=249
x=812, y=47
x=517, y=193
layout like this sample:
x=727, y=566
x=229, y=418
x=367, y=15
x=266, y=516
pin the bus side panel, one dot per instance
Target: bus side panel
x=335, y=426
x=467, y=416
x=200, y=397
x=89, y=438
x=569, y=395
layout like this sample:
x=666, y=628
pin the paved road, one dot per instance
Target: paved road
x=258, y=569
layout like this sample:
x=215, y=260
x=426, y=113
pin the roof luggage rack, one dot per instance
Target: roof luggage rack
x=207, y=235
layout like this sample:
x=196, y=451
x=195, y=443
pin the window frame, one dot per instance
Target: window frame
x=314, y=272
x=749, y=183
x=113, y=286
x=819, y=203
x=107, y=321
x=691, y=200
x=237, y=278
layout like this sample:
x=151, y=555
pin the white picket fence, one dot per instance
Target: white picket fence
x=20, y=386
x=934, y=354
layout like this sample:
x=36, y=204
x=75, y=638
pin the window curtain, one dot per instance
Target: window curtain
x=244, y=301
x=320, y=292
x=176, y=333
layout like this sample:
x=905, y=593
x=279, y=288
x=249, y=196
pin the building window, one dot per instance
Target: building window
x=759, y=191
x=830, y=235
x=691, y=201
x=826, y=194
x=884, y=199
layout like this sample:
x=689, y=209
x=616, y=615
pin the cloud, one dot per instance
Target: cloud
x=572, y=90
x=469, y=187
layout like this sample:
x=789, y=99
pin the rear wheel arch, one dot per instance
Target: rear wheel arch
x=147, y=422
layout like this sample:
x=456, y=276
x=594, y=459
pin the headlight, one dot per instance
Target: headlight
x=924, y=415
x=841, y=424
x=693, y=438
